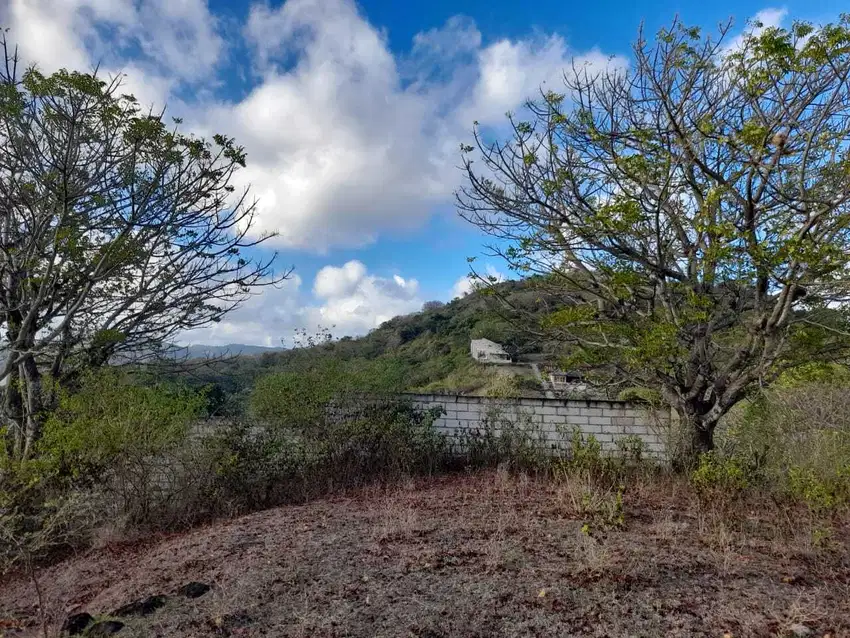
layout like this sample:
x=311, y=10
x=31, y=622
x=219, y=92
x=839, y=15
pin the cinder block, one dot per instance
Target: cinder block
x=623, y=421
x=591, y=411
x=599, y=420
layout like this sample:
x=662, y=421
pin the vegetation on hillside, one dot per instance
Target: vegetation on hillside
x=426, y=350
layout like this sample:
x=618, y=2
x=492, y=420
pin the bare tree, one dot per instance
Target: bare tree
x=117, y=233
x=691, y=210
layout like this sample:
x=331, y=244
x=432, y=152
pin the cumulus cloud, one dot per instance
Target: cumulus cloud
x=466, y=284
x=348, y=300
x=267, y=317
x=345, y=139
x=354, y=302
x=164, y=41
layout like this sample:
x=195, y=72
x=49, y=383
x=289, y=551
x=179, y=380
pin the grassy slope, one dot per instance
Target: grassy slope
x=426, y=350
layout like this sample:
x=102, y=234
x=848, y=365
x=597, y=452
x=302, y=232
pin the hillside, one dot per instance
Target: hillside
x=426, y=350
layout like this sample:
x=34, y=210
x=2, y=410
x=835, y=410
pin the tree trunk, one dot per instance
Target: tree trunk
x=697, y=434
x=703, y=438
x=13, y=415
x=32, y=404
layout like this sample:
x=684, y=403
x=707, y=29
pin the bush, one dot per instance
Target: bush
x=717, y=473
x=795, y=438
x=504, y=439
x=114, y=452
x=113, y=424
x=263, y=464
x=821, y=494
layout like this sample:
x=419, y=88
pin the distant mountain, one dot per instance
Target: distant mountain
x=200, y=351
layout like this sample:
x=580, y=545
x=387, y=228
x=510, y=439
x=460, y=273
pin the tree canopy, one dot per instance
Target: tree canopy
x=692, y=209
x=117, y=233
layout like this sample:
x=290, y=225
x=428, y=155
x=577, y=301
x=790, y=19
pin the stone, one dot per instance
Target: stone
x=142, y=607
x=105, y=628
x=193, y=589
x=76, y=623
x=800, y=630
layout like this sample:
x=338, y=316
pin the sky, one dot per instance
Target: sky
x=352, y=115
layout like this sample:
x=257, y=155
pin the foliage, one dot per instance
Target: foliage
x=119, y=233
x=720, y=476
x=426, y=351
x=819, y=493
x=640, y=395
x=59, y=524
x=505, y=437
x=265, y=464
x=113, y=450
x=112, y=420
x=795, y=438
x=691, y=210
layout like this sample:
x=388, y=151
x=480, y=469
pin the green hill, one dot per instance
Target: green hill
x=426, y=350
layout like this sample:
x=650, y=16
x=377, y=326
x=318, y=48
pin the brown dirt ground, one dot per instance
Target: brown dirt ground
x=469, y=555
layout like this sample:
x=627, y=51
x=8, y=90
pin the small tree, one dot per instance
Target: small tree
x=692, y=211
x=117, y=233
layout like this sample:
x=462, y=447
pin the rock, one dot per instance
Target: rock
x=76, y=623
x=105, y=628
x=141, y=607
x=799, y=630
x=193, y=589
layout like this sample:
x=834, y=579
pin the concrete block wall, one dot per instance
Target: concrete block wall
x=551, y=421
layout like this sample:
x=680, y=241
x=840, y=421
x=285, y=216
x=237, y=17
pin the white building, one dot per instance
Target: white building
x=486, y=351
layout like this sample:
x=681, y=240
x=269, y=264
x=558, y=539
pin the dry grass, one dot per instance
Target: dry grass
x=489, y=554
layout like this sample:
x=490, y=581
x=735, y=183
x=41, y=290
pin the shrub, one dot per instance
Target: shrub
x=795, y=438
x=387, y=438
x=36, y=533
x=259, y=466
x=114, y=451
x=360, y=440
x=112, y=422
x=585, y=453
x=504, y=439
x=820, y=494
x=717, y=473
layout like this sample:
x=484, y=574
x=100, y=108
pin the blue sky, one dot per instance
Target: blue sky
x=351, y=115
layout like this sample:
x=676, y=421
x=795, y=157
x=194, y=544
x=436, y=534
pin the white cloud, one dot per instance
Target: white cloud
x=336, y=282
x=163, y=42
x=263, y=320
x=354, y=302
x=344, y=140
x=348, y=301
x=466, y=284
x=764, y=19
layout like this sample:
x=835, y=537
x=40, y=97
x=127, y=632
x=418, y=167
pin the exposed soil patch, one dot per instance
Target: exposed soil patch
x=483, y=555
